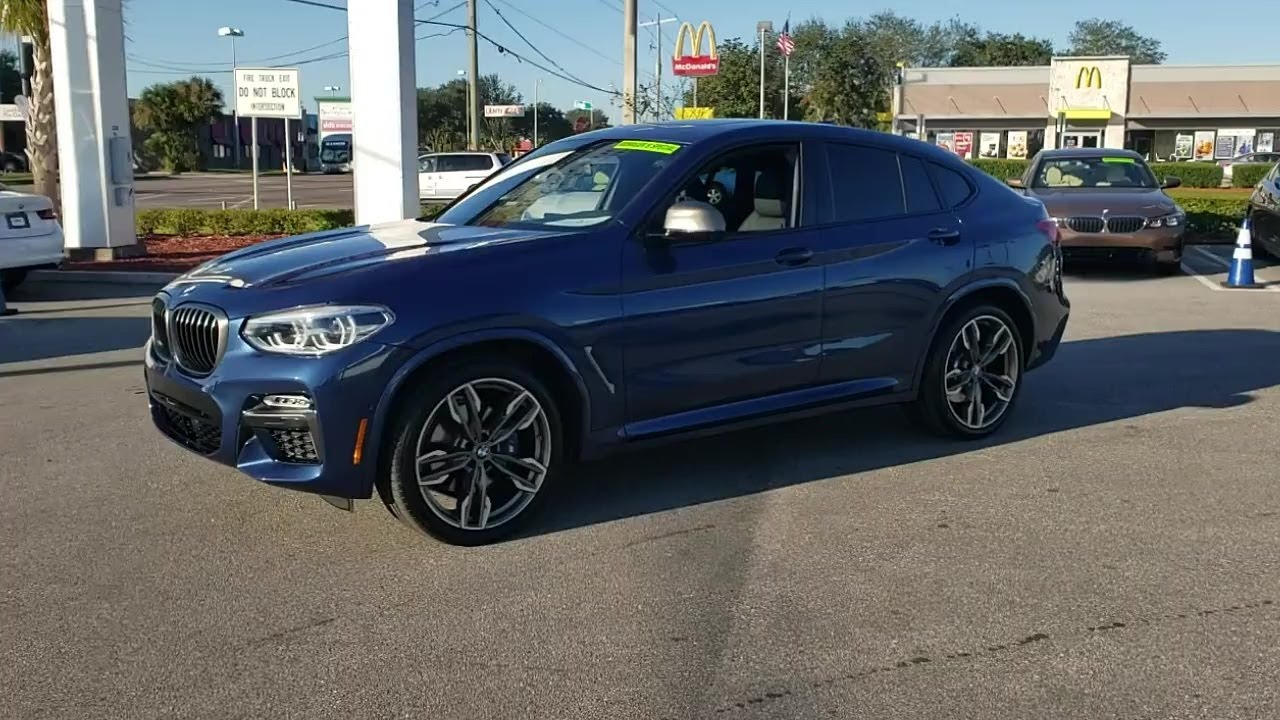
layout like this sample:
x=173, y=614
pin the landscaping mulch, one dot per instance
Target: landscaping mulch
x=170, y=253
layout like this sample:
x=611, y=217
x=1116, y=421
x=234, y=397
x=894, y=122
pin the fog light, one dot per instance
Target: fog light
x=288, y=402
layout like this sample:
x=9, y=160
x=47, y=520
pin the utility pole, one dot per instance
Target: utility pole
x=473, y=79
x=628, y=62
x=657, y=21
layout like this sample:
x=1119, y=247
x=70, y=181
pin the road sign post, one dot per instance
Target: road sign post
x=269, y=93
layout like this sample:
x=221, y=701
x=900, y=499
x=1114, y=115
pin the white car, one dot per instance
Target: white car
x=445, y=176
x=30, y=236
x=1253, y=157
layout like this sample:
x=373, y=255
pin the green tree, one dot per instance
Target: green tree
x=552, y=124
x=1000, y=50
x=442, y=116
x=598, y=119
x=31, y=17
x=850, y=80
x=1112, y=37
x=171, y=114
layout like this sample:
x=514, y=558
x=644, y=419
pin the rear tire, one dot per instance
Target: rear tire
x=979, y=352
x=10, y=279
x=476, y=450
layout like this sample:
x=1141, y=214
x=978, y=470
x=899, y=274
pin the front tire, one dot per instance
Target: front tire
x=476, y=450
x=972, y=376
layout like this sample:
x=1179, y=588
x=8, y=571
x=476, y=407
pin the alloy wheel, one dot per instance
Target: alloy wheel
x=981, y=372
x=483, y=453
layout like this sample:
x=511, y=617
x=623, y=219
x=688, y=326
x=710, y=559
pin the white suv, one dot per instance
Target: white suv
x=445, y=176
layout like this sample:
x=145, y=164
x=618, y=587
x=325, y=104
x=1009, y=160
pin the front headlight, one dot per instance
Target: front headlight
x=316, y=330
x=1174, y=219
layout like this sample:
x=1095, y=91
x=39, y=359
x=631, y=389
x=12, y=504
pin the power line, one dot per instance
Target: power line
x=501, y=48
x=558, y=31
x=528, y=42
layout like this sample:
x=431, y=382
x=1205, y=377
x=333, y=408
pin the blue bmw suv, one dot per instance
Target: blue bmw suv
x=617, y=287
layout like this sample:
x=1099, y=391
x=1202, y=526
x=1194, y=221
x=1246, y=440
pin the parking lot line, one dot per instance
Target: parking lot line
x=1223, y=263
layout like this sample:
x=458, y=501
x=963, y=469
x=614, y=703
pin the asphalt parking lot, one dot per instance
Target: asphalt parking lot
x=235, y=190
x=1113, y=553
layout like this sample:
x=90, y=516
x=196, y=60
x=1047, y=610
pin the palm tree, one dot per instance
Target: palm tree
x=31, y=18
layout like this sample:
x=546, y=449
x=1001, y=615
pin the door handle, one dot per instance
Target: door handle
x=944, y=236
x=794, y=256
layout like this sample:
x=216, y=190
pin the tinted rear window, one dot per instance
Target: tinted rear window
x=865, y=183
x=463, y=163
x=921, y=198
x=955, y=189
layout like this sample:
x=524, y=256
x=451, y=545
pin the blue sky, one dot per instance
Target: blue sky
x=168, y=39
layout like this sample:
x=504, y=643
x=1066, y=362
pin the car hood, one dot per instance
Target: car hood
x=1063, y=202
x=306, y=257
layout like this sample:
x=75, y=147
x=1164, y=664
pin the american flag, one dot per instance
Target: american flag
x=785, y=44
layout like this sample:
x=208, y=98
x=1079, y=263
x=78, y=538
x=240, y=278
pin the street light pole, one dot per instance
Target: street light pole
x=536, y=83
x=233, y=33
x=466, y=90
x=764, y=26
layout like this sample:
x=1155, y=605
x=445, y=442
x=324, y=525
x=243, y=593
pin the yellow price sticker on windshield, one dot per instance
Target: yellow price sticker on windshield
x=1118, y=160
x=647, y=146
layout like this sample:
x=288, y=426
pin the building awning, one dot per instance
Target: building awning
x=1087, y=114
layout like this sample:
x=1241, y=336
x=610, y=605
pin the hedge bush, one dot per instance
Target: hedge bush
x=191, y=221
x=1246, y=175
x=1192, y=174
x=1212, y=215
x=1001, y=169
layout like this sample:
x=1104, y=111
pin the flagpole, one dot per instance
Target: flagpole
x=786, y=87
x=762, y=73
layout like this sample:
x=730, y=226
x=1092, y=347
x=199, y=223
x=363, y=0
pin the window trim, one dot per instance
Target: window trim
x=655, y=214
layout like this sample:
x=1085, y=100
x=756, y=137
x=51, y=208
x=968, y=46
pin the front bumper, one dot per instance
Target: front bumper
x=313, y=449
x=1162, y=245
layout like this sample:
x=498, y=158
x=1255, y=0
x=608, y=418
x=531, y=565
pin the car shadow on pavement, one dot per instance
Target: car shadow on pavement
x=24, y=339
x=1091, y=382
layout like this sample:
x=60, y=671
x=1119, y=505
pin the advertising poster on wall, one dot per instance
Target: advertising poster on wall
x=964, y=145
x=946, y=141
x=1225, y=147
x=1244, y=140
x=1017, y=144
x=1183, y=146
x=1266, y=142
x=1204, y=144
x=989, y=145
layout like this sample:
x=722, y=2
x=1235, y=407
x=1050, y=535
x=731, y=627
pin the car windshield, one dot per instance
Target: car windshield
x=1093, y=172
x=568, y=186
x=335, y=152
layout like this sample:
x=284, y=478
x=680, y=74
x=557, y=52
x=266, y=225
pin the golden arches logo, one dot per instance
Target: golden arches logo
x=695, y=64
x=1089, y=77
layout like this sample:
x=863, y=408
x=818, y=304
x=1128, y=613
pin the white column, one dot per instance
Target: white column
x=384, y=110
x=95, y=155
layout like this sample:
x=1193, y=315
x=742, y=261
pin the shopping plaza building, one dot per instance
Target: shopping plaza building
x=1164, y=112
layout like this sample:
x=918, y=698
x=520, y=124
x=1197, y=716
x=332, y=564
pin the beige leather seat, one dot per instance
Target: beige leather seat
x=769, y=213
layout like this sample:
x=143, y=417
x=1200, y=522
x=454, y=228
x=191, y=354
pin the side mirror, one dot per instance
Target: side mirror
x=693, y=220
x=1171, y=181
x=1013, y=182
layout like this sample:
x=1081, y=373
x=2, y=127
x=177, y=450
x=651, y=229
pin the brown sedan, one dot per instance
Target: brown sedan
x=1108, y=205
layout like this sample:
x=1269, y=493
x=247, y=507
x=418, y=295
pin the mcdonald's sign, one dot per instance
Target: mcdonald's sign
x=696, y=64
x=1089, y=77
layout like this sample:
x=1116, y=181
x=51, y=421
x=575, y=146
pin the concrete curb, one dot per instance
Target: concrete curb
x=108, y=277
